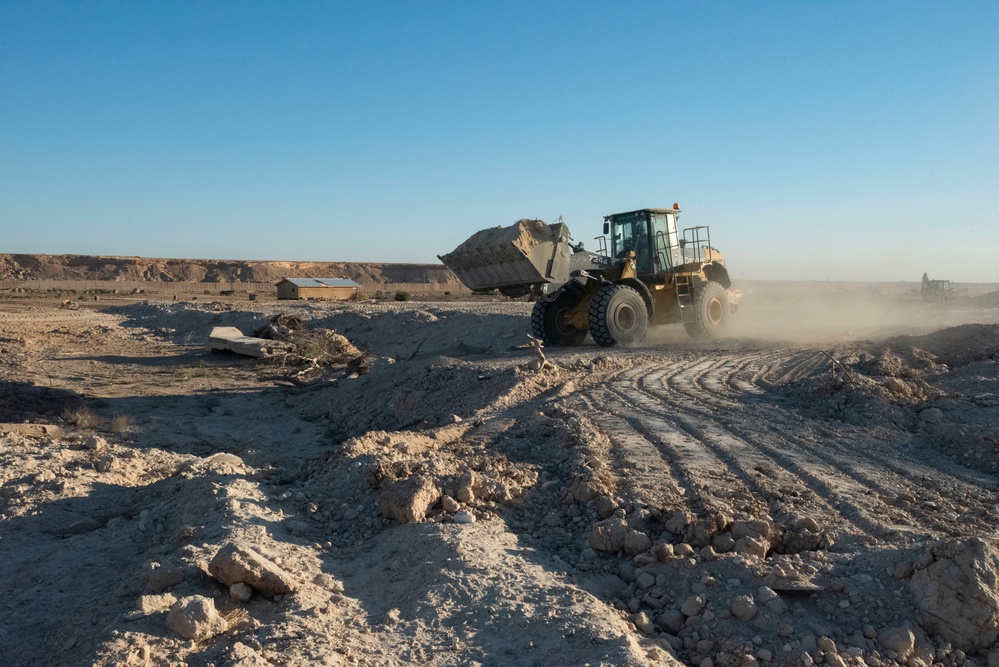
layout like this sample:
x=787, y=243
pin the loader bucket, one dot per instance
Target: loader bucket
x=529, y=252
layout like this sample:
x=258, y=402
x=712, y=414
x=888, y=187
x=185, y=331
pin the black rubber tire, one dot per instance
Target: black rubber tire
x=711, y=313
x=547, y=321
x=618, y=316
x=538, y=320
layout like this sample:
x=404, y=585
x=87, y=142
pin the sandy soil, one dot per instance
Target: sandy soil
x=820, y=488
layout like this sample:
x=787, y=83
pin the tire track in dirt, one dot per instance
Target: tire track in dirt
x=788, y=366
x=721, y=443
x=845, y=464
x=911, y=475
x=651, y=478
x=705, y=461
x=836, y=479
x=796, y=485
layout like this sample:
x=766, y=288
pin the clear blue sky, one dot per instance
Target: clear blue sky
x=823, y=140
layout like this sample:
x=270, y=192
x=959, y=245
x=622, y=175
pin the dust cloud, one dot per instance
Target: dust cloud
x=815, y=317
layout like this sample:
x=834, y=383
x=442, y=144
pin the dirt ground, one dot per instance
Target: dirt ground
x=820, y=488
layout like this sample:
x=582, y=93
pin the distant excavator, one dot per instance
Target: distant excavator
x=939, y=291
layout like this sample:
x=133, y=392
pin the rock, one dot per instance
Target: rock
x=162, y=577
x=408, y=500
x=225, y=459
x=645, y=580
x=84, y=525
x=677, y=522
x=994, y=658
x=805, y=539
x=152, y=604
x=329, y=583
x=743, y=608
x=931, y=415
x=902, y=570
x=751, y=547
x=241, y=655
x=827, y=645
x=644, y=623
x=195, y=617
x=608, y=535
x=765, y=595
x=806, y=523
x=235, y=564
x=959, y=593
x=693, y=605
x=606, y=507
x=777, y=606
x=584, y=489
x=757, y=529
x=683, y=550
x=466, y=487
x=700, y=533
x=723, y=542
x=464, y=517
x=449, y=504
x=106, y=463
x=833, y=660
x=664, y=552
x=95, y=442
x=636, y=542
x=901, y=640
x=672, y=621
x=240, y=592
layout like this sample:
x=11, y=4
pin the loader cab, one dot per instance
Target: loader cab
x=651, y=233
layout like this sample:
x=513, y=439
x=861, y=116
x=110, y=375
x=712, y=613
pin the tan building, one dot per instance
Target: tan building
x=317, y=288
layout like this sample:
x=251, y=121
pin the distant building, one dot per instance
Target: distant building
x=317, y=288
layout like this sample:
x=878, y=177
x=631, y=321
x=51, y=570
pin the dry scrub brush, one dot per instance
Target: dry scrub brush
x=315, y=350
x=86, y=419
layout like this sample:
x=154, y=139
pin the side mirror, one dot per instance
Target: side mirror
x=606, y=228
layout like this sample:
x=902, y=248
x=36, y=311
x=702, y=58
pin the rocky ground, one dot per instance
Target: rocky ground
x=820, y=488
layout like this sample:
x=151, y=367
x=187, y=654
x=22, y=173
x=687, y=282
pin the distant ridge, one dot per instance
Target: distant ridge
x=97, y=267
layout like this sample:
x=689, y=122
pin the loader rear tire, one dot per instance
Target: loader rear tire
x=711, y=313
x=548, y=321
x=618, y=316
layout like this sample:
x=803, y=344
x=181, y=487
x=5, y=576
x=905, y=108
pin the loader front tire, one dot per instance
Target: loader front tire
x=549, y=322
x=711, y=313
x=618, y=316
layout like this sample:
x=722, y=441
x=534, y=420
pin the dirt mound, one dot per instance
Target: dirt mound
x=954, y=346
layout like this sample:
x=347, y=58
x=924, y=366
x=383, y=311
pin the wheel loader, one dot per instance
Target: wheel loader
x=645, y=273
